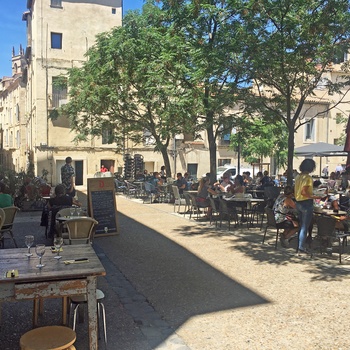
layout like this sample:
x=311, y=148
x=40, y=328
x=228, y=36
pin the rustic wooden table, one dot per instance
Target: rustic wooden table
x=55, y=279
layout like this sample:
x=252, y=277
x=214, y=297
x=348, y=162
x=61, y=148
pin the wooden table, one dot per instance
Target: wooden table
x=56, y=279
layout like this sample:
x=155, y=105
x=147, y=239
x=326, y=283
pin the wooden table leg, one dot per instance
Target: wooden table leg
x=64, y=310
x=92, y=312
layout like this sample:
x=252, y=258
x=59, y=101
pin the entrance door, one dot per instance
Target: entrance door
x=79, y=172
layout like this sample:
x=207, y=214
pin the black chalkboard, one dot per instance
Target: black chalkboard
x=102, y=206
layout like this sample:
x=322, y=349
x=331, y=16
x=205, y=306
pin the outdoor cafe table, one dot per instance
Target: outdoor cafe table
x=55, y=279
x=242, y=202
x=68, y=217
x=329, y=212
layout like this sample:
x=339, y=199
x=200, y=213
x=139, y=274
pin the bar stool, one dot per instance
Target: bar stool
x=48, y=338
x=81, y=299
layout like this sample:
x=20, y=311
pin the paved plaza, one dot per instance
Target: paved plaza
x=174, y=283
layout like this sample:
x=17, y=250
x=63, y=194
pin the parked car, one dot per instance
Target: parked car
x=231, y=170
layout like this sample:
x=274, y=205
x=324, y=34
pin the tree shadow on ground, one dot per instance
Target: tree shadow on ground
x=183, y=285
x=249, y=242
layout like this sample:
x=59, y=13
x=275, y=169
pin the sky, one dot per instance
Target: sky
x=13, y=29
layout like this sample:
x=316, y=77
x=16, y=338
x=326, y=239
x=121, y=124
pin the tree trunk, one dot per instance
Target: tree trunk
x=164, y=150
x=290, y=154
x=212, y=153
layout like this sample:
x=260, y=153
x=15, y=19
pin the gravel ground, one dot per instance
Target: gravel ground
x=208, y=288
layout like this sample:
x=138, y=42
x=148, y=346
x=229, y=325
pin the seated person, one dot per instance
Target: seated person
x=188, y=180
x=157, y=183
x=327, y=200
x=61, y=199
x=5, y=199
x=237, y=186
x=54, y=205
x=332, y=180
x=284, y=210
x=224, y=185
x=203, y=192
x=266, y=180
x=181, y=183
x=248, y=180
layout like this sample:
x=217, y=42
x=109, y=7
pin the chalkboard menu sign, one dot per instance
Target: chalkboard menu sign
x=102, y=205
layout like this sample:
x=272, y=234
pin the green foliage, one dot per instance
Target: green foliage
x=258, y=138
x=185, y=66
x=291, y=45
x=133, y=81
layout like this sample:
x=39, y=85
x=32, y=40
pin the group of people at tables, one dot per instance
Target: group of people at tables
x=294, y=208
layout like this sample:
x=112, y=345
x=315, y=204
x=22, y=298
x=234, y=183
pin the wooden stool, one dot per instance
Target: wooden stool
x=48, y=338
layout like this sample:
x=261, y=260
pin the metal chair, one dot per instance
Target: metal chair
x=78, y=300
x=258, y=211
x=10, y=213
x=227, y=212
x=177, y=199
x=215, y=212
x=131, y=190
x=195, y=207
x=271, y=192
x=327, y=234
x=148, y=192
x=188, y=205
x=80, y=230
x=271, y=223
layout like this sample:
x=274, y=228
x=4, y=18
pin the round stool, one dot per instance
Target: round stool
x=48, y=338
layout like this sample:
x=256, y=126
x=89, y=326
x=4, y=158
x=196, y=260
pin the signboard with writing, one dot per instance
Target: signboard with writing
x=102, y=205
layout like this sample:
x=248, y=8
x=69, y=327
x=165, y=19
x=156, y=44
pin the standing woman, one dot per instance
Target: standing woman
x=303, y=192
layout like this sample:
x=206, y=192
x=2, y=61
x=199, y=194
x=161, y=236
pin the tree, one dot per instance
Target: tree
x=292, y=45
x=215, y=45
x=132, y=84
x=256, y=138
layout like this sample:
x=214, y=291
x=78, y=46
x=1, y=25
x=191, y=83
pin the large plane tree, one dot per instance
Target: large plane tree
x=292, y=45
x=132, y=85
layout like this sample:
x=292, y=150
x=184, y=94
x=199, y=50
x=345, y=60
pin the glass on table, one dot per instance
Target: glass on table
x=29, y=240
x=72, y=211
x=40, y=251
x=58, y=242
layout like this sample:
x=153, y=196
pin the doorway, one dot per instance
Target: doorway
x=79, y=172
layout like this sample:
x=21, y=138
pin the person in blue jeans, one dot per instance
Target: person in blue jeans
x=304, y=197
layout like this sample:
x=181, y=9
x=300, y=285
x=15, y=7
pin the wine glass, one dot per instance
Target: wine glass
x=72, y=211
x=57, y=242
x=79, y=211
x=29, y=240
x=40, y=251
